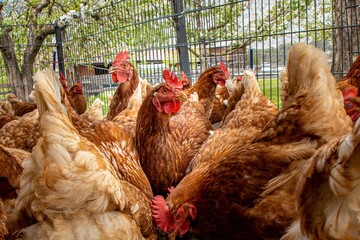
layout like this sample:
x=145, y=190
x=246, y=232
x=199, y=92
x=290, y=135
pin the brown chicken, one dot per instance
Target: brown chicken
x=243, y=124
x=3, y=228
x=124, y=72
x=5, y=118
x=328, y=192
x=166, y=143
x=93, y=113
x=224, y=198
x=10, y=174
x=20, y=108
x=72, y=186
x=5, y=108
x=235, y=96
x=219, y=107
x=127, y=117
x=15, y=133
x=185, y=80
x=76, y=95
x=10, y=170
x=349, y=86
x=206, y=84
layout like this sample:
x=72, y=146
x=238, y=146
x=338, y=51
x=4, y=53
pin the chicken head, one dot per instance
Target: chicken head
x=121, y=69
x=167, y=99
x=171, y=79
x=352, y=106
x=174, y=224
x=78, y=89
x=223, y=74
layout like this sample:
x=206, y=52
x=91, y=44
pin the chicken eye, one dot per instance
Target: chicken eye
x=348, y=105
x=178, y=215
x=164, y=90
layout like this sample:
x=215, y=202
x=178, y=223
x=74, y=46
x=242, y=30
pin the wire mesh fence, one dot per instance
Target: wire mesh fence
x=194, y=35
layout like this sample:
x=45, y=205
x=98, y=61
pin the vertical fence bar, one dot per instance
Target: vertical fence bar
x=59, y=47
x=181, y=42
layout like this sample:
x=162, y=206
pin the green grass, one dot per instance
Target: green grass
x=271, y=89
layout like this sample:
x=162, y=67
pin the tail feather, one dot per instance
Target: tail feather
x=249, y=81
x=48, y=93
x=307, y=68
x=284, y=85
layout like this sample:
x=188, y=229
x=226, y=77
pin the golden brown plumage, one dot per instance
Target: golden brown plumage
x=206, y=84
x=3, y=228
x=76, y=98
x=166, y=143
x=5, y=108
x=227, y=193
x=243, y=124
x=5, y=118
x=349, y=87
x=20, y=108
x=328, y=192
x=69, y=180
x=235, y=96
x=353, y=76
x=127, y=118
x=15, y=133
x=122, y=70
x=10, y=174
x=252, y=110
x=10, y=166
x=219, y=107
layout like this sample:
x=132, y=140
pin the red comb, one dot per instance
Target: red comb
x=184, y=79
x=161, y=213
x=172, y=79
x=123, y=55
x=239, y=78
x=63, y=80
x=224, y=69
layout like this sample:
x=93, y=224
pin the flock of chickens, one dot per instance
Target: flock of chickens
x=216, y=160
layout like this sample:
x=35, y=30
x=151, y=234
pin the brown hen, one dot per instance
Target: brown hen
x=166, y=142
x=205, y=86
x=328, y=192
x=15, y=133
x=77, y=97
x=124, y=72
x=71, y=185
x=20, y=108
x=349, y=87
x=225, y=198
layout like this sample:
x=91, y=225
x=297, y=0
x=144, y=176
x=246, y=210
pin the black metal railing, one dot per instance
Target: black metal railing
x=191, y=36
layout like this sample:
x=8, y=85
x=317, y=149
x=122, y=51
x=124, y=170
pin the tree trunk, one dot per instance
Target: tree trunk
x=11, y=64
x=346, y=35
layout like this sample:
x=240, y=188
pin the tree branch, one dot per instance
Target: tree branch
x=40, y=7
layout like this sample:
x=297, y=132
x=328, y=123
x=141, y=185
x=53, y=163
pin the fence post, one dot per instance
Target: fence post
x=59, y=48
x=181, y=42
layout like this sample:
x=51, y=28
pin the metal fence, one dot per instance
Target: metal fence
x=192, y=35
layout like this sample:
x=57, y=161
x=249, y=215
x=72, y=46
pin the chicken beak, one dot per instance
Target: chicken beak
x=181, y=96
x=172, y=236
x=113, y=69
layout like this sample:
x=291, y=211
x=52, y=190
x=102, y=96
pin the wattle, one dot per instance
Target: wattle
x=114, y=78
x=172, y=107
x=121, y=78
